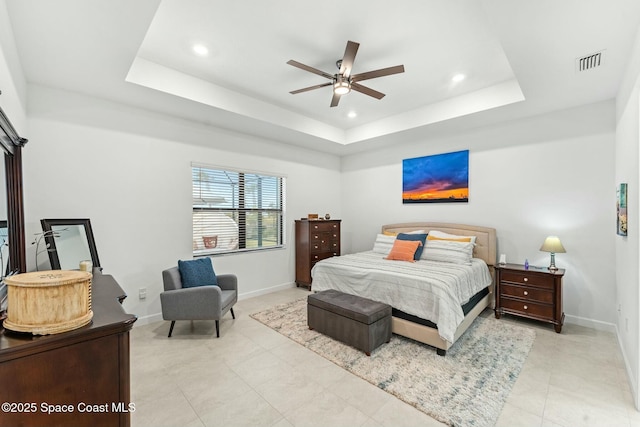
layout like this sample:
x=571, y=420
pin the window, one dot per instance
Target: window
x=236, y=211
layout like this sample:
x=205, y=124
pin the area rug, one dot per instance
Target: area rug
x=467, y=387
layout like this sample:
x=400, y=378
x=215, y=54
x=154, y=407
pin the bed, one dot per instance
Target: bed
x=423, y=310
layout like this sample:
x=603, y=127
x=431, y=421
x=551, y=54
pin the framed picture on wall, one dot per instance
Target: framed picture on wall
x=621, y=209
x=441, y=178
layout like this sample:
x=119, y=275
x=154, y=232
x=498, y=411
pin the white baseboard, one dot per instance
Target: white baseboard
x=591, y=323
x=632, y=384
x=265, y=291
x=150, y=318
x=156, y=317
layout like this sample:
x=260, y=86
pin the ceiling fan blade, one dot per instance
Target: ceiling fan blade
x=348, y=58
x=310, y=69
x=306, y=89
x=378, y=73
x=367, y=91
x=335, y=99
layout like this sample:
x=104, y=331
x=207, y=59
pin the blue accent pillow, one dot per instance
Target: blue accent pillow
x=197, y=272
x=414, y=237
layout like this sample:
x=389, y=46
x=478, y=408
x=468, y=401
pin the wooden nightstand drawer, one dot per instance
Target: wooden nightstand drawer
x=527, y=278
x=528, y=308
x=526, y=293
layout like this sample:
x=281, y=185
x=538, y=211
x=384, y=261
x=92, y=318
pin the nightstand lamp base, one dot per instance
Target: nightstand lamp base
x=553, y=245
x=552, y=266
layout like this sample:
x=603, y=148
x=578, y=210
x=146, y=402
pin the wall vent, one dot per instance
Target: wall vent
x=590, y=62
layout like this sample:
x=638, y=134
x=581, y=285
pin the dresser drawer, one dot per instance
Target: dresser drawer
x=325, y=226
x=323, y=242
x=527, y=308
x=527, y=293
x=528, y=279
x=320, y=256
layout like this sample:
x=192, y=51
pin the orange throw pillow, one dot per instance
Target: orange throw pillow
x=403, y=250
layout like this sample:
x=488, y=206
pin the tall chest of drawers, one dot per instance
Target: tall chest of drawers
x=534, y=293
x=315, y=240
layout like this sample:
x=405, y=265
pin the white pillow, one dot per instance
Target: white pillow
x=448, y=251
x=383, y=244
x=443, y=235
x=414, y=232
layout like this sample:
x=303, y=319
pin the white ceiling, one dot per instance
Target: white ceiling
x=518, y=57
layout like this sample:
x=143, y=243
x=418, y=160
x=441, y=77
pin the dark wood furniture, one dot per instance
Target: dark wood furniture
x=11, y=143
x=315, y=240
x=535, y=293
x=85, y=371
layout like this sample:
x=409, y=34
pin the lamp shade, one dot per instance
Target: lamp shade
x=552, y=244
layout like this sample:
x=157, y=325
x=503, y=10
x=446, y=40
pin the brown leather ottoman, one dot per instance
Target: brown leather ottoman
x=360, y=322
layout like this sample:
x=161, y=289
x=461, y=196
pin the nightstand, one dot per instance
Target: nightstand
x=535, y=293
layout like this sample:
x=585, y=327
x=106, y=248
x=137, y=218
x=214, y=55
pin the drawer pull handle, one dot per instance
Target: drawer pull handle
x=526, y=279
x=526, y=293
x=316, y=257
x=525, y=307
x=322, y=241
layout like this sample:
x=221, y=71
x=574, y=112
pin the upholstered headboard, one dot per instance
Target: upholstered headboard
x=485, y=248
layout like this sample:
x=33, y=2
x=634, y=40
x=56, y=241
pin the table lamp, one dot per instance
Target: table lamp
x=552, y=244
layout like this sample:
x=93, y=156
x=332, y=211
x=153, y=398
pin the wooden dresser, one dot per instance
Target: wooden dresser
x=315, y=240
x=535, y=293
x=75, y=378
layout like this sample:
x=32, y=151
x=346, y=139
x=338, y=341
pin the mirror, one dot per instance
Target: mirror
x=69, y=241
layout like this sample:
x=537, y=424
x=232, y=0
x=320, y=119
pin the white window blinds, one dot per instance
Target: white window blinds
x=236, y=211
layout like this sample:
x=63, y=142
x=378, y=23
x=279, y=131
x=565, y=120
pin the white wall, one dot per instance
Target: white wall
x=12, y=81
x=88, y=159
x=545, y=175
x=13, y=88
x=628, y=248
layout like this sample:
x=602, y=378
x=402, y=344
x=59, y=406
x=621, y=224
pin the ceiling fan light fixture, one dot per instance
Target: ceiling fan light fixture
x=341, y=87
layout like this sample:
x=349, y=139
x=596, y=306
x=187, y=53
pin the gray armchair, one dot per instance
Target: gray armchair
x=198, y=303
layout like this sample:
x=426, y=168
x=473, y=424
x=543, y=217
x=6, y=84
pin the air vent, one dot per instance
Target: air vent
x=590, y=62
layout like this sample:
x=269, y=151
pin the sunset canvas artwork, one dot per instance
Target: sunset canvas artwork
x=441, y=178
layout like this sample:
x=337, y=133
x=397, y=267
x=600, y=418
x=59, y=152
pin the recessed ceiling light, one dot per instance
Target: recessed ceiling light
x=200, y=49
x=352, y=114
x=458, y=78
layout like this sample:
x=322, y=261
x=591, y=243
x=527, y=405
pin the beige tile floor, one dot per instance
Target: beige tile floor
x=253, y=376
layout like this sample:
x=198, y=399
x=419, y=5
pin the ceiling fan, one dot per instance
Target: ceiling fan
x=343, y=81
